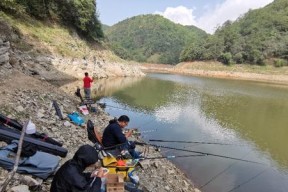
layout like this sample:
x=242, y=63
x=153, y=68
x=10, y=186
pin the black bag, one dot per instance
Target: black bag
x=90, y=131
x=28, y=149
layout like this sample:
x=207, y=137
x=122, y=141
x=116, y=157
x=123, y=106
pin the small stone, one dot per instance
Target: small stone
x=40, y=115
x=20, y=188
x=27, y=180
x=167, y=188
x=156, y=164
x=67, y=124
x=171, y=172
x=19, y=109
x=185, y=183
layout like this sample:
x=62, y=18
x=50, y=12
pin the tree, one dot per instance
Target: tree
x=80, y=14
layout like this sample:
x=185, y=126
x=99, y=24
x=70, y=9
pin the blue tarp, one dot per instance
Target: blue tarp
x=41, y=164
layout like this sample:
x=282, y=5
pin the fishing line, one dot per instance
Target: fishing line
x=203, y=153
x=221, y=172
x=171, y=157
x=146, y=123
x=105, y=104
x=185, y=147
x=249, y=180
x=199, y=142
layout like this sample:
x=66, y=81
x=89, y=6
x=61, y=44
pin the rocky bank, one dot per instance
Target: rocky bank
x=24, y=97
x=25, y=94
x=23, y=52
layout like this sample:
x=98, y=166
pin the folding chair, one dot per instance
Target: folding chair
x=107, y=159
x=95, y=137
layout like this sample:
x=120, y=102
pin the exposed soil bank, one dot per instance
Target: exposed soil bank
x=268, y=74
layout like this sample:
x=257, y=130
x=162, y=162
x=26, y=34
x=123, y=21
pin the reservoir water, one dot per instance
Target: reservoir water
x=251, y=117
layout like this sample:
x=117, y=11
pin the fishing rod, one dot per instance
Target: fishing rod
x=198, y=142
x=171, y=157
x=199, y=152
x=103, y=105
x=136, y=132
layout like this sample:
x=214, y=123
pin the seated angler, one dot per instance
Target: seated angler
x=114, y=139
x=70, y=176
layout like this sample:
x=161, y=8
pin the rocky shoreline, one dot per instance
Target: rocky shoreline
x=26, y=94
x=24, y=97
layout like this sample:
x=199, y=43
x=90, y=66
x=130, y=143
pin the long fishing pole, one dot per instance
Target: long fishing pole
x=198, y=142
x=199, y=152
x=136, y=132
x=171, y=157
x=104, y=105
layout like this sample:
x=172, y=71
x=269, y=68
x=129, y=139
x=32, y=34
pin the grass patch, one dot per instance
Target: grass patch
x=53, y=38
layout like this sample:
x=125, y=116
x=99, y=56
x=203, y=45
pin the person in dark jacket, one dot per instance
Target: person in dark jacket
x=70, y=176
x=113, y=137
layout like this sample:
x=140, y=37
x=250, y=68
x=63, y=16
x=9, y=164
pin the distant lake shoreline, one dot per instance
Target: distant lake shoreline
x=267, y=74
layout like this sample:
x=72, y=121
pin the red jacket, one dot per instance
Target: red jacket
x=87, y=82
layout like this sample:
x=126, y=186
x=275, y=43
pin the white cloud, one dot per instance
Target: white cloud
x=181, y=15
x=228, y=10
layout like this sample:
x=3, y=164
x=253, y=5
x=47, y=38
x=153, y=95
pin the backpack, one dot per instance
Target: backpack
x=28, y=149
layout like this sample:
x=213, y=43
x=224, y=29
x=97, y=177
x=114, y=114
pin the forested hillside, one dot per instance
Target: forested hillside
x=78, y=14
x=259, y=37
x=56, y=40
x=105, y=27
x=151, y=38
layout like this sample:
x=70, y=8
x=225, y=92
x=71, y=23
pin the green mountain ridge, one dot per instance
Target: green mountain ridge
x=151, y=38
x=258, y=37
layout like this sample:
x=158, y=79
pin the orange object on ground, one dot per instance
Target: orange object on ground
x=120, y=162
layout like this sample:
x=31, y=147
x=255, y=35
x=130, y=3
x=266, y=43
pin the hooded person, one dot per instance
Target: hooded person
x=70, y=176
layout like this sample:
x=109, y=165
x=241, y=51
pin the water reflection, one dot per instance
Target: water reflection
x=251, y=116
x=102, y=87
x=258, y=115
x=147, y=95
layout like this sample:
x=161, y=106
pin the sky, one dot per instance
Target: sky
x=205, y=14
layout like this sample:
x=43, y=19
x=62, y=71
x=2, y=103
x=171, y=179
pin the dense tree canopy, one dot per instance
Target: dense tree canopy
x=151, y=38
x=255, y=37
x=80, y=14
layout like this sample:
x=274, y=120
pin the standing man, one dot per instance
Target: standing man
x=114, y=138
x=87, y=85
